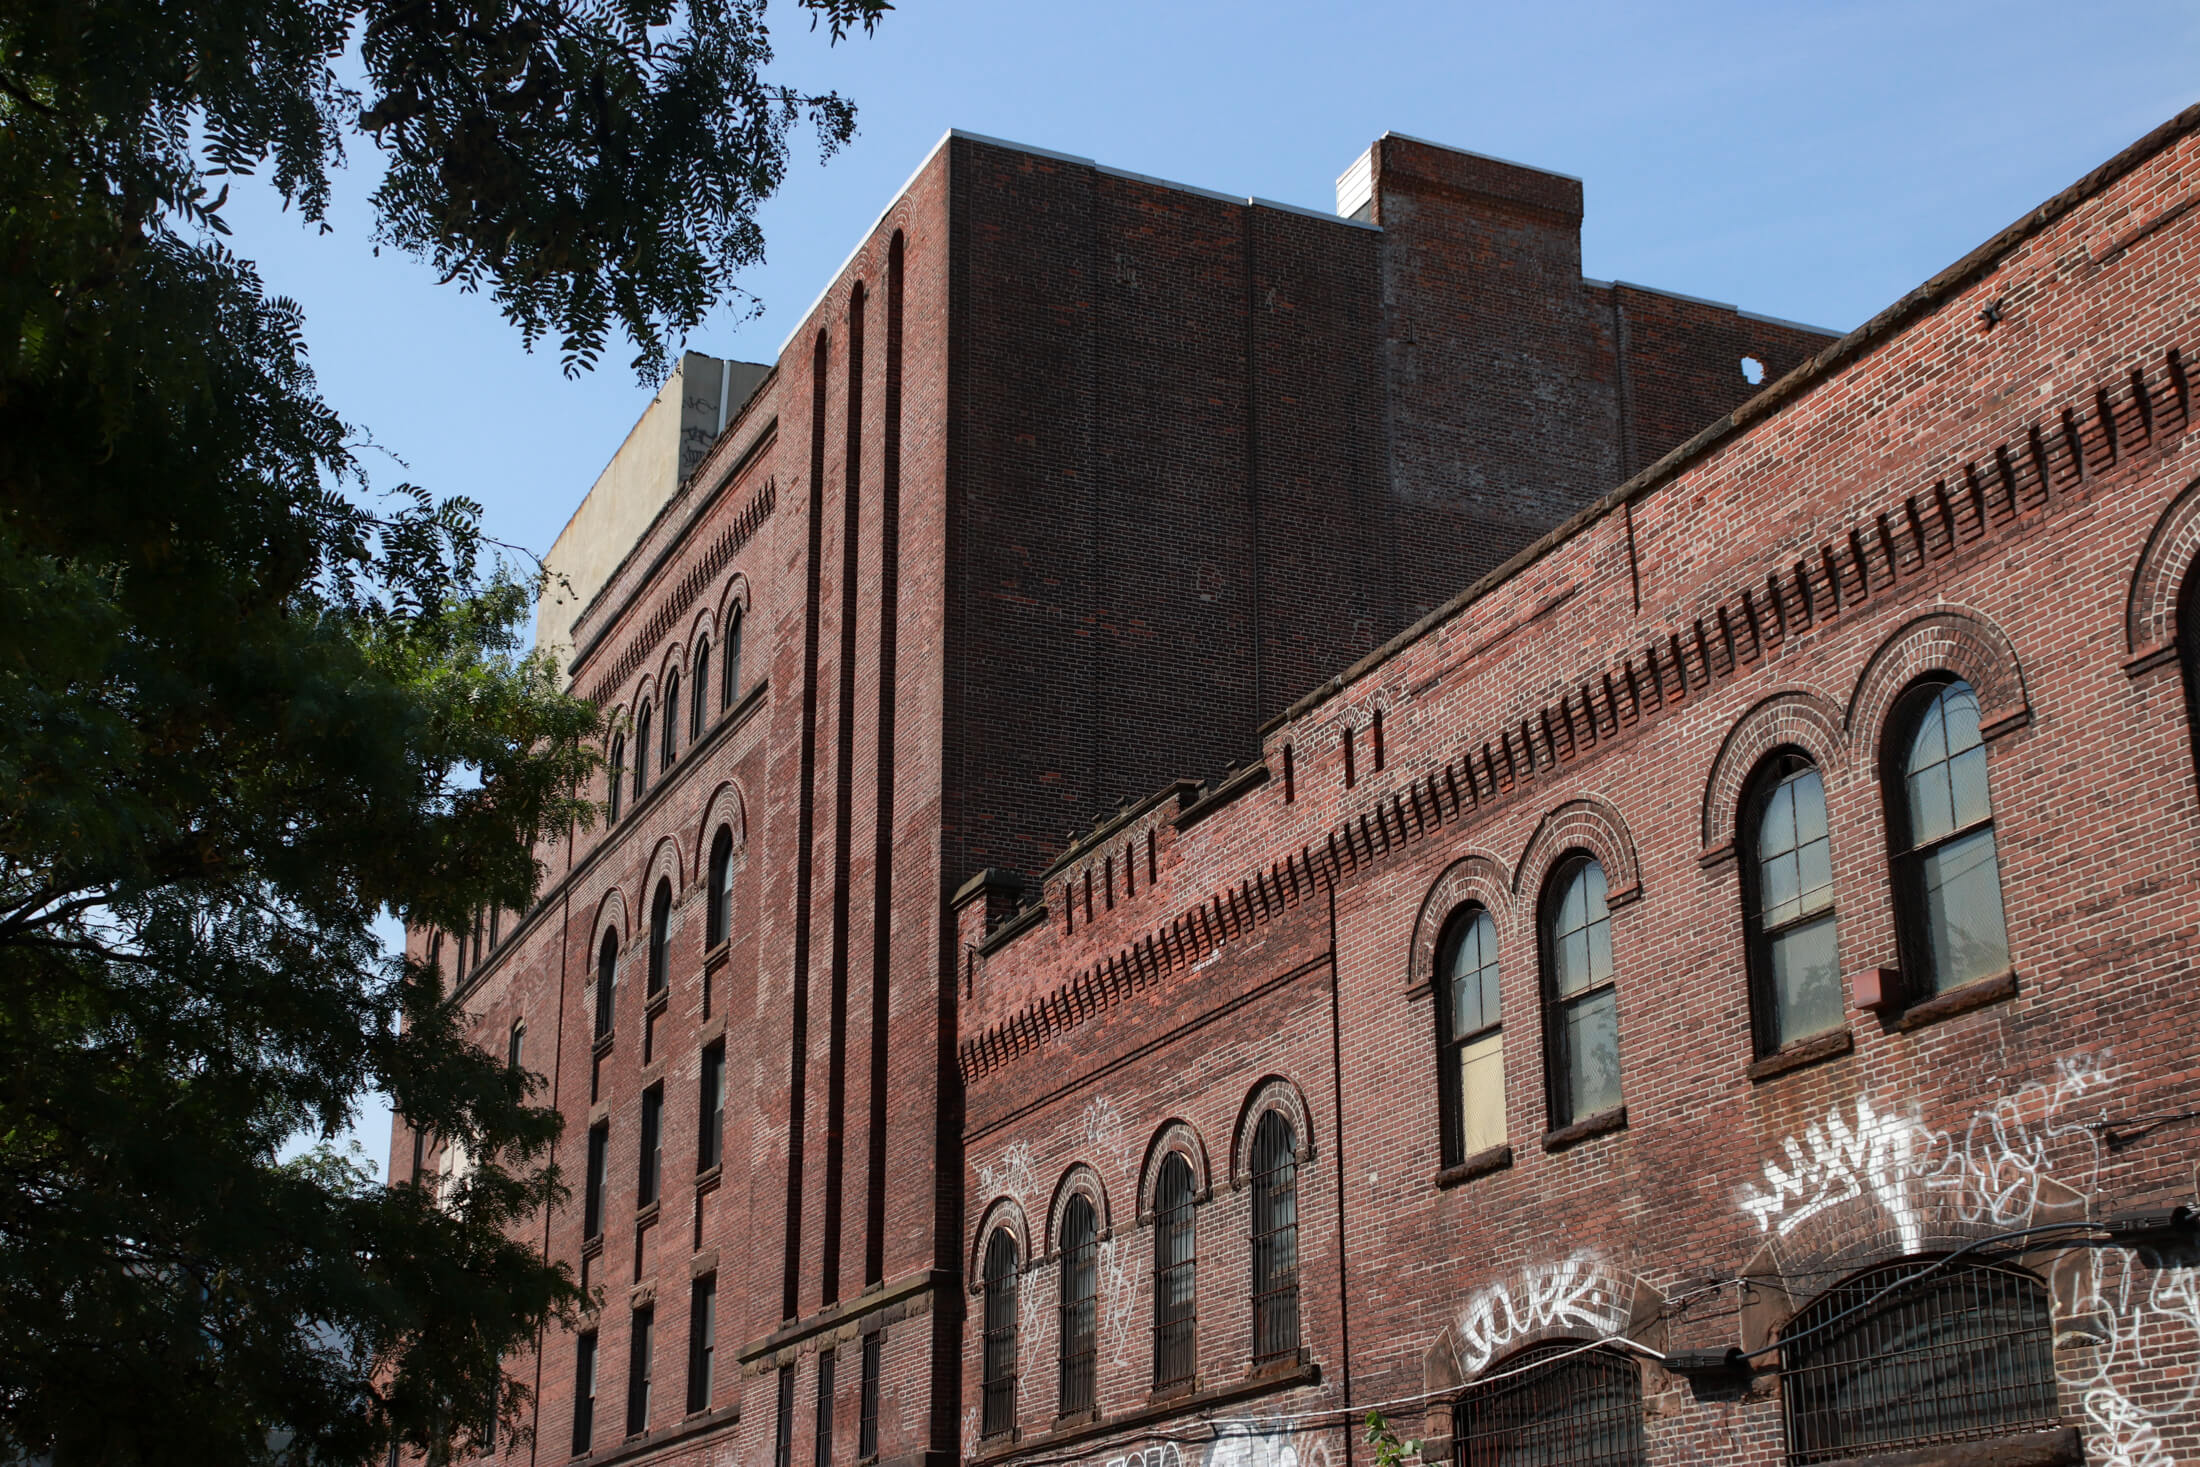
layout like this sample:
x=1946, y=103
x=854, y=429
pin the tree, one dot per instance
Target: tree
x=250, y=701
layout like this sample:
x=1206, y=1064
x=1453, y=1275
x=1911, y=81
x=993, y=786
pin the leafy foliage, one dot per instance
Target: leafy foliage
x=251, y=704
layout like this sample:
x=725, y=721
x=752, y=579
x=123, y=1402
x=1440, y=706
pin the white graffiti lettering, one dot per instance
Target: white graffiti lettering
x=1578, y=1294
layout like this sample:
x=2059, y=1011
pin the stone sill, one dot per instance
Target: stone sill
x=1614, y=1119
x=1976, y=994
x=1257, y=1383
x=2060, y=1447
x=1481, y=1164
x=1802, y=1053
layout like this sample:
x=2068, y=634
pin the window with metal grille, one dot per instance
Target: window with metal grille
x=1275, y=1240
x=717, y=925
x=618, y=774
x=672, y=720
x=660, y=937
x=783, y=1422
x=1471, y=1042
x=1787, y=905
x=584, y=1393
x=1080, y=1305
x=638, y=1358
x=607, y=983
x=1556, y=1404
x=729, y=686
x=1581, y=1004
x=699, y=695
x=1947, y=872
x=641, y=751
x=1000, y=1335
x=1175, y=1276
x=702, y=1340
x=822, y=1442
x=867, y=1414
x=1903, y=1356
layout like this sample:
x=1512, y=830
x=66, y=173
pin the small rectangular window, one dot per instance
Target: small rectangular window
x=702, y=1340
x=867, y=1430
x=637, y=1371
x=584, y=1393
x=599, y=1160
x=711, y=1121
x=824, y=1443
x=653, y=1127
x=783, y=1426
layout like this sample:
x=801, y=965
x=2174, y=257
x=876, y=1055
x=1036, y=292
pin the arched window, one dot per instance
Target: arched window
x=435, y=950
x=1275, y=1240
x=1080, y=1305
x=458, y=957
x=1000, y=1335
x=1914, y=1354
x=607, y=983
x=699, y=695
x=671, y=743
x=1471, y=1054
x=1556, y=1404
x=1947, y=875
x=618, y=773
x=660, y=926
x=516, y=1046
x=641, y=751
x=718, y=910
x=729, y=685
x=1787, y=905
x=1175, y=1276
x=1581, y=1007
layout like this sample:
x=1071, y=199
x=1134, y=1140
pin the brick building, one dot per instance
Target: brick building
x=1582, y=988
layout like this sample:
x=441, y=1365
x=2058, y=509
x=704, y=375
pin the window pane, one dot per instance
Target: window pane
x=1806, y=981
x=1815, y=876
x=1473, y=977
x=1963, y=915
x=1777, y=835
x=1779, y=887
x=1932, y=815
x=1482, y=1094
x=1967, y=787
x=1573, y=962
x=1592, y=1053
x=1809, y=793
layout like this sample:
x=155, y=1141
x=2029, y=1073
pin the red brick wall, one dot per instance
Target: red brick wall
x=1547, y=713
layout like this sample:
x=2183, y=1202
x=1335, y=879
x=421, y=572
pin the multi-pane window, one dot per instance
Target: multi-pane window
x=641, y=751
x=653, y=1144
x=711, y=1113
x=599, y=1162
x=607, y=983
x=584, y=1393
x=1556, y=1404
x=717, y=914
x=821, y=1441
x=702, y=1340
x=1080, y=1336
x=783, y=1421
x=1175, y=1276
x=638, y=1357
x=1915, y=1354
x=729, y=685
x=1947, y=874
x=670, y=746
x=1581, y=1013
x=1275, y=1240
x=1794, y=954
x=999, y=1345
x=867, y=1412
x=699, y=695
x=1472, y=1053
x=660, y=932
x=618, y=773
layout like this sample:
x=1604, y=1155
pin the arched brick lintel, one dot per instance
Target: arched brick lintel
x=1799, y=719
x=1079, y=1181
x=1587, y=824
x=1175, y=1137
x=1277, y=1094
x=1473, y=878
x=1001, y=1212
x=1947, y=639
x=2158, y=580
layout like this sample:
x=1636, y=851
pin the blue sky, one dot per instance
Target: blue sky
x=1812, y=162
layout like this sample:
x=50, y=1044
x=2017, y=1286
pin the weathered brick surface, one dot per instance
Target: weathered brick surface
x=1115, y=470
x=2010, y=500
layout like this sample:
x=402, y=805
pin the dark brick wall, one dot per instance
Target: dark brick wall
x=2012, y=502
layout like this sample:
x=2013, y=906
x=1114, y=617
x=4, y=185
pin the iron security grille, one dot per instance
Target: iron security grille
x=1080, y=1299
x=1175, y=1291
x=1554, y=1405
x=1000, y=1335
x=1964, y=1354
x=1275, y=1240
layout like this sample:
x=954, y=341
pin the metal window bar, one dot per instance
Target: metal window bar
x=1965, y=1355
x=822, y=1442
x=1079, y=1306
x=1582, y=1409
x=1275, y=1241
x=1000, y=1336
x=783, y=1425
x=867, y=1418
x=1175, y=1275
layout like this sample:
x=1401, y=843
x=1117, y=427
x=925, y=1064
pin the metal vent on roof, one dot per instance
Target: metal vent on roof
x=1356, y=188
